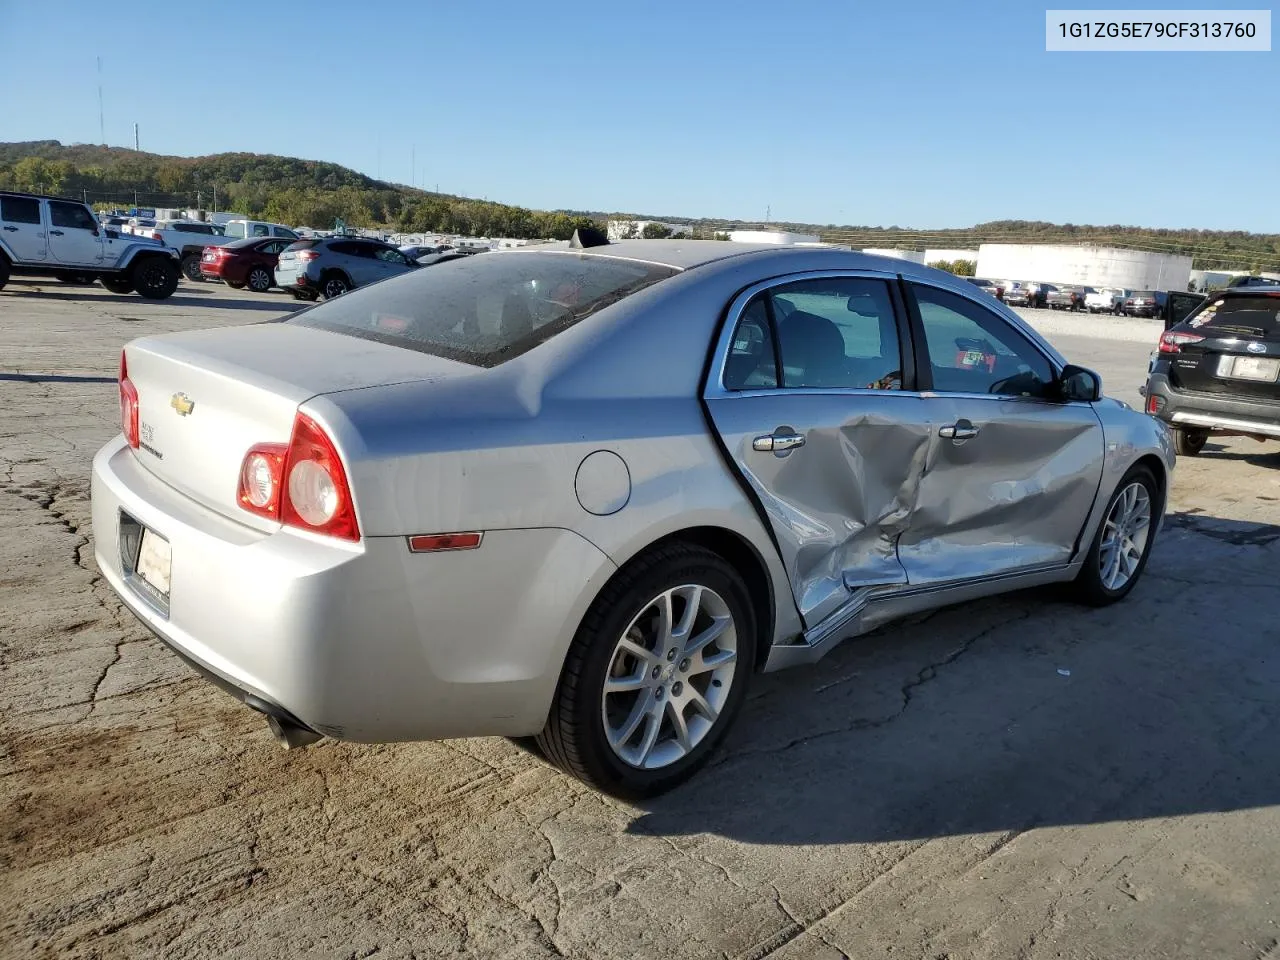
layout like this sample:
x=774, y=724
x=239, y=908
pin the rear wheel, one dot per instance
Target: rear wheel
x=191, y=268
x=118, y=284
x=334, y=285
x=259, y=280
x=655, y=674
x=1189, y=443
x=155, y=278
x=1123, y=541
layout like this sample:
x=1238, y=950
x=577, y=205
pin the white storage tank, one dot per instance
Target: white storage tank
x=915, y=256
x=1086, y=265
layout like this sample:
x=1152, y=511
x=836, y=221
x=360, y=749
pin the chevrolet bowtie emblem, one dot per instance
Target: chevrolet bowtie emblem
x=182, y=403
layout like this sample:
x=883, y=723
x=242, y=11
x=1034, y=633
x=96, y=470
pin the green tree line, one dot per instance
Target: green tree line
x=282, y=189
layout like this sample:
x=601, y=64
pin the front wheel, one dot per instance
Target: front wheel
x=655, y=674
x=191, y=268
x=1123, y=541
x=155, y=278
x=1189, y=443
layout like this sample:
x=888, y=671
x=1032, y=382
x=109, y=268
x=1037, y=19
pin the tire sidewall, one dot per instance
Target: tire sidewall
x=706, y=570
x=1096, y=590
x=190, y=268
x=324, y=286
x=154, y=292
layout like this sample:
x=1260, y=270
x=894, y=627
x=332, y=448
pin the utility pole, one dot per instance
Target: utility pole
x=102, y=125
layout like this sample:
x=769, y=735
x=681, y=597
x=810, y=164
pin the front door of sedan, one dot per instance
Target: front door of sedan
x=1015, y=470
x=807, y=397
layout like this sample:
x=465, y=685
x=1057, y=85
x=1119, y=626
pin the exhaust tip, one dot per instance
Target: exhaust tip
x=290, y=735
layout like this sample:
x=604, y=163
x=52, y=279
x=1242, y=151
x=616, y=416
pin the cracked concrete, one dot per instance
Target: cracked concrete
x=935, y=789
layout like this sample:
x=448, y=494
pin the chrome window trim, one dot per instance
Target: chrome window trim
x=715, y=388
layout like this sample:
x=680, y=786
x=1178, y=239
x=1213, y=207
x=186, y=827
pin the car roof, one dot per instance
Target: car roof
x=39, y=196
x=688, y=254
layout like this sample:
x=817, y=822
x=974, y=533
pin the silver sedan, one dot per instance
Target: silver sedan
x=583, y=492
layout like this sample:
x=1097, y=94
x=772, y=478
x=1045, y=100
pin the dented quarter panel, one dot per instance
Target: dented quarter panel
x=838, y=503
x=1014, y=497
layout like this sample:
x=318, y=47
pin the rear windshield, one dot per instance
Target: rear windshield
x=1144, y=294
x=1247, y=316
x=484, y=310
x=302, y=244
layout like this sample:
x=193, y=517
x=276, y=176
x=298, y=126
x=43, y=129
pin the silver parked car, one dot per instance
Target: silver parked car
x=583, y=493
x=329, y=267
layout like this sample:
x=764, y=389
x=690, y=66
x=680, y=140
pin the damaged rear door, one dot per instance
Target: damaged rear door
x=1015, y=470
x=810, y=394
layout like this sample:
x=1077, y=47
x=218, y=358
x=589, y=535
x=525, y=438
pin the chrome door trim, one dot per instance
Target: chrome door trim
x=715, y=389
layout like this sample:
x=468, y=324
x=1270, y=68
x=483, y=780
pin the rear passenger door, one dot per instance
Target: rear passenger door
x=23, y=229
x=1015, y=470
x=810, y=395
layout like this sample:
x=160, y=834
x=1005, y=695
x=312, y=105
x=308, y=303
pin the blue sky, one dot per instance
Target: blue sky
x=922, y=114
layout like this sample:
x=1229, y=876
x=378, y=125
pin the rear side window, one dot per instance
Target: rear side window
x=233, y=230
x=19, y=210
x=1245, y=316
x=484, y=310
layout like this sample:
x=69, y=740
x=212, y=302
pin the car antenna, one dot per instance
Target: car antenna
x=588, y=237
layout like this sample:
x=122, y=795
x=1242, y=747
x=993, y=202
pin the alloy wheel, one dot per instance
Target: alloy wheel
x=259, y=280
x=669, y=677
x=1125, y=534
x=334, y=288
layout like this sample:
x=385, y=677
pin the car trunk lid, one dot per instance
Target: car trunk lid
x=1237, y=351
x=205, y=397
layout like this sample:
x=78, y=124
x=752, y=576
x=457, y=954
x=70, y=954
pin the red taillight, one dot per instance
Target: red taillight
x=302, y=484
x=156, y=236
x=262, y=479
x=1154, y=404
x=1171, y=342
x=128, y=405
x=306, y=255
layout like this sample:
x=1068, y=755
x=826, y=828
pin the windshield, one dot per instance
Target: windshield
x=1250, y=316
x=484, y=310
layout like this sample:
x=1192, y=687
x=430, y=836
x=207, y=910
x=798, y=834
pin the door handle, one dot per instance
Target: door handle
x=777, y=442
x=55, y=233
x=12, y=229
x=960, y=430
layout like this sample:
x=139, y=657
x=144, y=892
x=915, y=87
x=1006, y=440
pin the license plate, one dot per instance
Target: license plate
x=1255, y=368
x=154, y=558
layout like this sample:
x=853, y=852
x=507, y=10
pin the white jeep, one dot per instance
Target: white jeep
x=57, y=237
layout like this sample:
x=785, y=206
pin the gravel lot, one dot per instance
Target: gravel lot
x=940, y=789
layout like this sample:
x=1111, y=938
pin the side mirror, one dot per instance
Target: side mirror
x=1079, y=384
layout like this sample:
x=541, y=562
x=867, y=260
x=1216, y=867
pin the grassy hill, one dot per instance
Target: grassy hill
x=295, y=191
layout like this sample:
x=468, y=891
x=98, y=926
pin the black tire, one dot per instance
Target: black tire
x=155, y=278
x=4, y=270
x=259, y=280
x=1189, y=443
x=118, y=284
x=334, y=284
x=191, y=268
x=574, y=738
x=1089, y=587
x=235, y=284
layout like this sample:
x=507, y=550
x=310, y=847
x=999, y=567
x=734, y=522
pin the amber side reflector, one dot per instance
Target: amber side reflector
x=434, y=542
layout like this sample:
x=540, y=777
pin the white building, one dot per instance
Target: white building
x=950, y=255
x=1086, y=265
x=634, y=229
x=915, y=256
x=771, y=236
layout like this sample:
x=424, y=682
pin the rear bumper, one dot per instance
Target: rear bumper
x=363, y=642
x=295, y=279
x=1180, y=408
